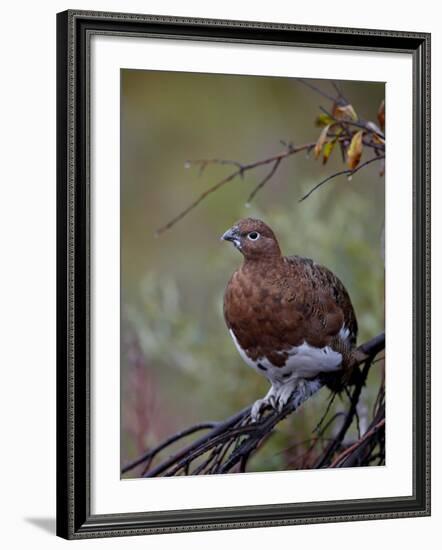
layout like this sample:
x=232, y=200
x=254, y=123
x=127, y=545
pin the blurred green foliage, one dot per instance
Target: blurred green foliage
x=172, y=286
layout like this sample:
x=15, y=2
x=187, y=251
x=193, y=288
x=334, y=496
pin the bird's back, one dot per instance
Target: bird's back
x=326, y=294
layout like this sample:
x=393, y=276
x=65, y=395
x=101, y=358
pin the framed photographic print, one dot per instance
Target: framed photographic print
x=243, y=274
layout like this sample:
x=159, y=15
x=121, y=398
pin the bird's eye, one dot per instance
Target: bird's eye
x=253, y=236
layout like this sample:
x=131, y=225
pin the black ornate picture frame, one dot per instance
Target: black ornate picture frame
x=74, y=32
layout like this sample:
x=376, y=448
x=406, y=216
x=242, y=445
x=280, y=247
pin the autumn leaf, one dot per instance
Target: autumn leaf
x=381, y=114
x=328, y=148
x=344, y=111
x=321, y=140
x=382, y=169
x=323, y=120
x=354, y=151
x=378, y=139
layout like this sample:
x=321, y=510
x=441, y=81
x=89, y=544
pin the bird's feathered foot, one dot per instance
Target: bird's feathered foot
x=268, y=401
x=279, y=395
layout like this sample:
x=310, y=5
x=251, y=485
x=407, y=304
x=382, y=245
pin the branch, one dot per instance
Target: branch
x=242, y=168
x=221, y=428
x=370, y=349
x=374, y=140
x=347, y=172
x=368, y=127
x=368, y=435
x=229, y=444
x=317, y=90
x=264, y=181
x=149, y=455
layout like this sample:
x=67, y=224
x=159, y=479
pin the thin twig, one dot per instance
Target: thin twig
x=203, y=163
x=358, y=443
x=149, y=455
x=264, y=181
x=339, y=91
x=321, y=421
x=239, y=172
x=348, y=172
x=335, y=444
x=221, y=426
x=316, y=89
x=356, y=415
x=370, y=349
x=208, y=446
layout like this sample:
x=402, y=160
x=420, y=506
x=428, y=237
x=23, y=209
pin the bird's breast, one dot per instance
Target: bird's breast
x=262, y=316
x=277, y=328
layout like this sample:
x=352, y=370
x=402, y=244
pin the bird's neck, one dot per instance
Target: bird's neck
x=263, y=263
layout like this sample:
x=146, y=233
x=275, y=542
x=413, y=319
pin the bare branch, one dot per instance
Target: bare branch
x=230, y=443
x=341, y=458
x=305, y=82
x=348, y=420
x=264, y=181
x=318, y=427
x=339, y=91
x=373, y=139
x=275, y=159
x=169, y=441
x=196, y=202
x=347, y=172
x=203, y=163
x=220, y=428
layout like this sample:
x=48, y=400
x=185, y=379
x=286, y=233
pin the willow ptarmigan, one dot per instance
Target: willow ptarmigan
x=290, y=318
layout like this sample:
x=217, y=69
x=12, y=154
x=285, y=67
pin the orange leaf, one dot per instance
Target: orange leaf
x=321, y=140
x=381, y=114
x=344, y=112
x=378, y=139
x=354, y=151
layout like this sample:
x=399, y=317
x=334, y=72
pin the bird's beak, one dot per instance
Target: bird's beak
x=232, y=235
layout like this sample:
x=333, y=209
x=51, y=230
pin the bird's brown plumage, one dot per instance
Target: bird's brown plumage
x=274, y=303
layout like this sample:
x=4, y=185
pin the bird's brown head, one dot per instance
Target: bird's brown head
x=254, y=239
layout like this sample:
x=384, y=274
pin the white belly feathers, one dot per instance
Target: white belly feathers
x=303, y=361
